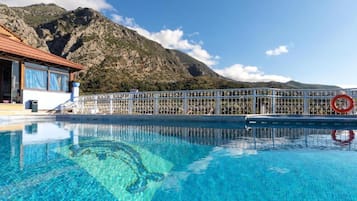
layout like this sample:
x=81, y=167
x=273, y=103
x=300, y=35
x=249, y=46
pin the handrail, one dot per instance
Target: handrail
x=217, y=101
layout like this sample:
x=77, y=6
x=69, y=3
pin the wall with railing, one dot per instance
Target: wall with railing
x=218, y=102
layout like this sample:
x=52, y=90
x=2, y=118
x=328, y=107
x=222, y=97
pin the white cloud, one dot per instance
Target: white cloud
x=170, y=39
x=277, y=51
x=126, y=21
x=243, y=73
x=67, y=4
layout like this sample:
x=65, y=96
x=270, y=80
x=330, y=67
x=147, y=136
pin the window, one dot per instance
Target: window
x=58, y=82
x=35, y=79
x=46, y=78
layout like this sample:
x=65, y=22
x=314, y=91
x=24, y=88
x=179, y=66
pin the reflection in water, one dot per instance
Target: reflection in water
x=104, y=149
x=239, y=138
x=40, y=142
x=343, y=142
x=41, y=156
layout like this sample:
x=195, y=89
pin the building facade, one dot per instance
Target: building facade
x=28, y=74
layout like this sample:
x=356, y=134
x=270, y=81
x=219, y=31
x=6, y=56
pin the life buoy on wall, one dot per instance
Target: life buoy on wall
x=351, y=137
x=349, y=100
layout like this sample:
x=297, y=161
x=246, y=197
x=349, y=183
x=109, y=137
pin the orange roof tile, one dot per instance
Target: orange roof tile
x=10, y=32
x=21, y=49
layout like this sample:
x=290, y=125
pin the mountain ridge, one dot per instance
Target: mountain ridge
x=116, y=58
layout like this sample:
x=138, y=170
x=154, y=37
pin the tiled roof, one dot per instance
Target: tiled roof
x=10, y=32
x=25, y=51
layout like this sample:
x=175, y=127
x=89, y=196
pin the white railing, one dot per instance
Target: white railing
x=218, y=102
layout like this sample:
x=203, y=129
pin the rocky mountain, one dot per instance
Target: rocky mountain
x=11, y=20
x=116, y=58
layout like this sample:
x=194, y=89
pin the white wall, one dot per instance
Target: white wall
x=46, y=100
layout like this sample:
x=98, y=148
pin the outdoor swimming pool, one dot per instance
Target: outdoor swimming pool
x=151, y=161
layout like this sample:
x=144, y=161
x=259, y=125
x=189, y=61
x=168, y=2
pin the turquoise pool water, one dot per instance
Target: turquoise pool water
x=69, y=161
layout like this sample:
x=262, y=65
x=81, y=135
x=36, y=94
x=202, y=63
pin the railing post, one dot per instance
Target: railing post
x=74, y=97
x=273, y=102
x=306, y=105
x=218, y=103
x=254, y=103
x=75, y=91
x=185, y=102
x=156, y=103
x=130, y=104
x=349, y=93
x=111, y=104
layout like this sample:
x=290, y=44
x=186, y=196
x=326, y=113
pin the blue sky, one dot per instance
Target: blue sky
x=310, y=41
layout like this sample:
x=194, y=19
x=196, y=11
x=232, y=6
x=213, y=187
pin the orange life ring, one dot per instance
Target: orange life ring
x=349, y=99
x=351, y=137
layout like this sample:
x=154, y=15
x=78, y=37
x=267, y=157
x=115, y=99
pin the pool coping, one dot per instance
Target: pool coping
x=6, y=119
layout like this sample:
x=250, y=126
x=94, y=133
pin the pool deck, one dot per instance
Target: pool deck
x=27, y=117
